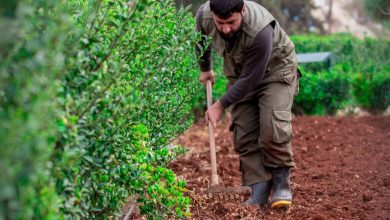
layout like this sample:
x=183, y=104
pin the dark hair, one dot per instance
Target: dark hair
x=225, y=8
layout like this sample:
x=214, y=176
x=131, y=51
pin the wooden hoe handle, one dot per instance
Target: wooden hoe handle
x=213, y=157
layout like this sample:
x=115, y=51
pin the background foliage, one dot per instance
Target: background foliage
x=379, y=9
x=351, y=54
x=31, y=62
x=359, y=75
x=372, y=90
x=322, y=93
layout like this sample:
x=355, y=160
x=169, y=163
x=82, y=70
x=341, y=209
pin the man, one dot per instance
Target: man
x=260, y=64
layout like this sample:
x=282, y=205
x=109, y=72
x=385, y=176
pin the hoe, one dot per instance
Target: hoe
x=215, y=188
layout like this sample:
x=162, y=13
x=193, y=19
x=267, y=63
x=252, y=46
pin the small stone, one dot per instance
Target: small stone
x=367, y=197
x=386, y=182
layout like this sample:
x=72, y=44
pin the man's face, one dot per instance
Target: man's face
x=229, y=27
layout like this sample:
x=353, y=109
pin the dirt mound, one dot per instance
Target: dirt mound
x=342, y=171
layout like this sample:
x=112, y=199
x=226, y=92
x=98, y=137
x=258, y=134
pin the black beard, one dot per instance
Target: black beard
x=231, y=37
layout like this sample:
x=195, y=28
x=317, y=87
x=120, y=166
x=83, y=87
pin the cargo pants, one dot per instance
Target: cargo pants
x=261, y=126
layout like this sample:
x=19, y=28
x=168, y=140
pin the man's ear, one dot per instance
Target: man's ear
x=243, y=11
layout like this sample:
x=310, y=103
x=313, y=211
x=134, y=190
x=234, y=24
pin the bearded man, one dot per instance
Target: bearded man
x=261, y=66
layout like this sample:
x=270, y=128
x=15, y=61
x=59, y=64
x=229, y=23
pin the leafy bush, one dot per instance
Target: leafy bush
x=372, y=91
x=31, y=62
x=127, y=74
x=322, y=93
x=92, y=93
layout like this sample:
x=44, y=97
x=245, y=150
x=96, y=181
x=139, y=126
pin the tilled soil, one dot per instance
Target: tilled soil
x=342, y=172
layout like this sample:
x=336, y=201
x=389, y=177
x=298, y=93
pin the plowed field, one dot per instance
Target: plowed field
x=342, y=172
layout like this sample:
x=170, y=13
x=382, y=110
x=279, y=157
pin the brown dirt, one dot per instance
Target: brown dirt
x=343, y=170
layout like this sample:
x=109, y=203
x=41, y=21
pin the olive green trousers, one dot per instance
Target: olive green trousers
x=261, y=126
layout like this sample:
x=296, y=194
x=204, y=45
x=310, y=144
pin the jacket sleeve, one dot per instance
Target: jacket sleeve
x=256, y=60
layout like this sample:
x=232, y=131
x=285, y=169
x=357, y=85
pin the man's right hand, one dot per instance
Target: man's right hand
x=204, y=76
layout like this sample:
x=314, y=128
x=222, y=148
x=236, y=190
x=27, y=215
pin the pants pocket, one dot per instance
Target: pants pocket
x=289, y=76
x=281, y=126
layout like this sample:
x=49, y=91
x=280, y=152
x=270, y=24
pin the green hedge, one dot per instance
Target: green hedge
x=92, y=93
x=372, y=91
x=322, y=93
x=31, y=63
x=325, y=93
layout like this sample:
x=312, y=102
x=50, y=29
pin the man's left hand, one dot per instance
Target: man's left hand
x=214, y=113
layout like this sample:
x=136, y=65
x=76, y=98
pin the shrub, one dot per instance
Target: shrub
x=322, y=93
x=31, y=62
x=125, y=98
x=372, y=91
x=92, y=93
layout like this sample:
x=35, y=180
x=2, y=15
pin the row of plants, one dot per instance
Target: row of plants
x=325, y=93
x=92, y=93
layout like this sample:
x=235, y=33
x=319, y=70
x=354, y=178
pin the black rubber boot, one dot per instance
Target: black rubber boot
x=260, y=193
x=281, y=192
